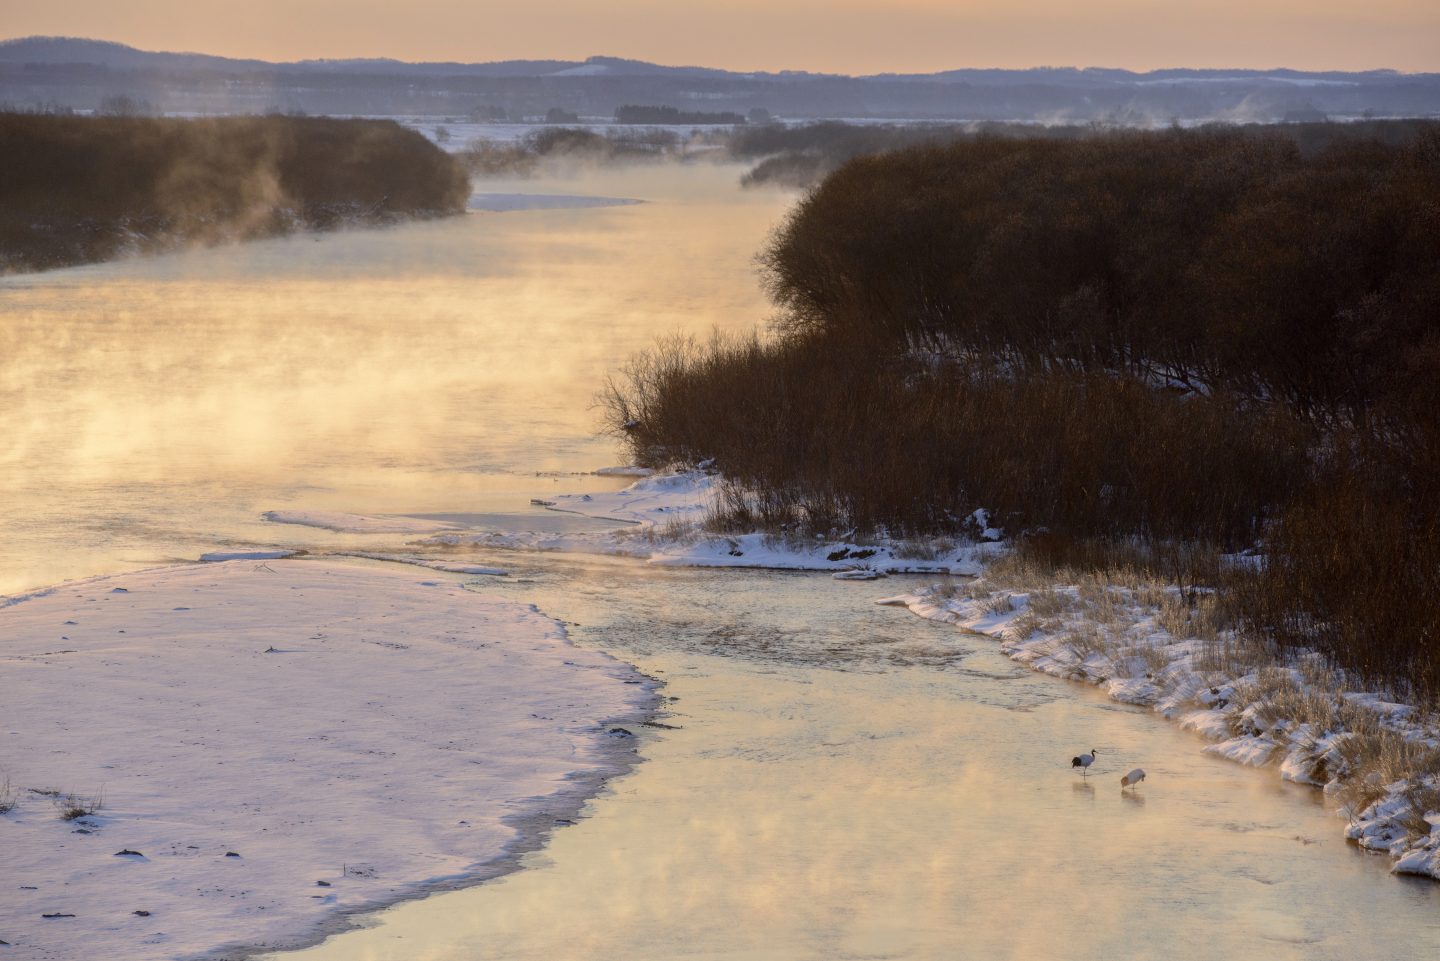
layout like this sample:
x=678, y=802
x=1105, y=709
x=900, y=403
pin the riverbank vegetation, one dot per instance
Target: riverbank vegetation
x=1191, y=344
x=569, y=145
x=82, y=189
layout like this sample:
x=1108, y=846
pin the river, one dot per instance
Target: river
x=838, y=779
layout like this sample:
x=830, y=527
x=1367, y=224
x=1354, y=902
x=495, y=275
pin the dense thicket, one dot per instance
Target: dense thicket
x=1217, y=336
x=827, y=438
x=79, y=189
x=799, y=156
x=1224, y=258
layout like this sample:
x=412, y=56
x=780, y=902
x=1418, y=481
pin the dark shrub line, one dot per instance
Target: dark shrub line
x=80, y=189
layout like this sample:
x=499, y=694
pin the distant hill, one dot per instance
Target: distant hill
x=60, y=72
x=104, y=53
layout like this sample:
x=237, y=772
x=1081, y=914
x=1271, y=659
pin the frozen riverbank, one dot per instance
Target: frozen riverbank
x=280, y=744
x=665, y=516
x=1377, y=761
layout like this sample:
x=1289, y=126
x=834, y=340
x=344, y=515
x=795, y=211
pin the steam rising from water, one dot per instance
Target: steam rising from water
x=154, y=407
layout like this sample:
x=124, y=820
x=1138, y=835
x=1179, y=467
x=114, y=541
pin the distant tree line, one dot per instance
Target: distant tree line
x=669, y=116
x=1227, y=338
x=568, y=144
x=79, y=189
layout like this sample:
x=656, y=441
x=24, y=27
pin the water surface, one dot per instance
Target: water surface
x=153, y=408
x=848, y=781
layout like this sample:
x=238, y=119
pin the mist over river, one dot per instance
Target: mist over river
x=154, y=408
x=834, y=779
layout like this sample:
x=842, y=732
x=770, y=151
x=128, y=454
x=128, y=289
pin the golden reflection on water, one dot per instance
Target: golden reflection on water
x=867, y=809
x=805, y=816
x=155, y=406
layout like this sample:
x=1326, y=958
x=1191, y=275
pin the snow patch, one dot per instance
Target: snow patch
x=667, y=513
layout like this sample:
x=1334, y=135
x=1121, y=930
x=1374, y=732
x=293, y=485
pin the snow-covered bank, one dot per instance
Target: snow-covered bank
x=667, y=513
x=1378, y=761
x=278, y=744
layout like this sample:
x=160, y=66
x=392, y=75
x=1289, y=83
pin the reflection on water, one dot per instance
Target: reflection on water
x=825, y=796
x=153, y=408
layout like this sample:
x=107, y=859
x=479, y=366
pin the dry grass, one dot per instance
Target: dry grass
x=998, y=604
x=1086, y=639
x=1024, y=626
x=1053, y=603
x=71, y=805
x=7, y=796
x=924, y=548
x=1423, y=798
x=1231, y=654
x=950, y=590
x=673, y=531
x=1377, y=758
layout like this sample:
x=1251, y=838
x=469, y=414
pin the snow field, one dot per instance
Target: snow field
x=282, y=743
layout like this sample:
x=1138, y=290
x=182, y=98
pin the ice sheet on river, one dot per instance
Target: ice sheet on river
x=358, y=523
x=276, y=744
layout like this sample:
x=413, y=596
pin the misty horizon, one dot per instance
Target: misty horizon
x=777, y=71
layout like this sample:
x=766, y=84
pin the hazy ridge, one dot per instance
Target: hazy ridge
x=79, y=73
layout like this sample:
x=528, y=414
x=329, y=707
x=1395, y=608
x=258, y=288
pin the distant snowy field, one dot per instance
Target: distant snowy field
x=280, y=743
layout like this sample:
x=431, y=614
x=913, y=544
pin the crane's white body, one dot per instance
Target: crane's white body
x=1132, y=779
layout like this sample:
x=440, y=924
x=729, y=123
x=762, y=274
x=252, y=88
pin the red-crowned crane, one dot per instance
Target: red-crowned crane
x=1133, y=778
x=1083, y=761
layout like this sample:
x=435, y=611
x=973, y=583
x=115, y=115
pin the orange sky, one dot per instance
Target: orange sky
x=840, y=36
